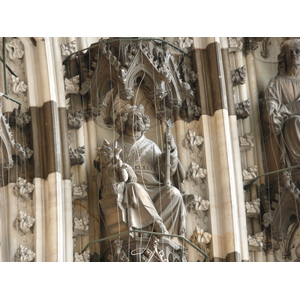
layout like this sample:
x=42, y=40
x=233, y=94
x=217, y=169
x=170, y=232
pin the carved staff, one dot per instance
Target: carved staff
x=167, y=181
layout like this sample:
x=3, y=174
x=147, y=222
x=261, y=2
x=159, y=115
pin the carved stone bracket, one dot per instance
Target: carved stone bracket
x=23, y=189
x=75, y=120
x=196, y=174
x=238, y=76
x=71, y=85
x=253, y=208
x=246, y=141
x=80, y=192
x=14, y=49
x=77, y=156
x=83, y=257
x=242, y=109
x=255, y=242
x=192, y=141
x=68, y=49
x=81, y=226
x=24, y=223
x=249, y=174
x=23, y=254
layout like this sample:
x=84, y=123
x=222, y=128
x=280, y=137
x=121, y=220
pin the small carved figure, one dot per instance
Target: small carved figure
x=242, y=109
x=238, y=76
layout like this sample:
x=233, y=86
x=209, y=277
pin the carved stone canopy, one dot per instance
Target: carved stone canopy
x=120, y=67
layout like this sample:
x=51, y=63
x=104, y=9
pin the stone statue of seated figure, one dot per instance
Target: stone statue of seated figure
x=150, y=166
x=120, y=190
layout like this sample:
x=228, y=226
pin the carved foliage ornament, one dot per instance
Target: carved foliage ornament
x=83, y=257
x=79, y=192
x=195, y=173
x=23, y=189
x=77, y=156
x=23, y=254
x=246, y=141
x=24, y=223
x=242, y=109
x=14, y=49
x=81, y=226
x=238, y=76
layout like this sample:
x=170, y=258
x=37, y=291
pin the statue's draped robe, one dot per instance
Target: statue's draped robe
x=146, y=159
x=284, y=93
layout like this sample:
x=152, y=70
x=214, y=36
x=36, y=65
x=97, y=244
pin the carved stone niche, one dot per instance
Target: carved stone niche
x=238, y=76
x=23, y=254
x=242, y=109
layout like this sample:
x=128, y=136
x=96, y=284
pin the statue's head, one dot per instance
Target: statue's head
x=132, y=117
x=289, y=57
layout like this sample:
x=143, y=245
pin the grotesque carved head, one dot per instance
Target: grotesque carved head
x=132, y=117
x=289, y=57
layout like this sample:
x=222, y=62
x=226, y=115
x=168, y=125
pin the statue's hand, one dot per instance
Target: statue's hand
x=131, y=173
x=171, y=142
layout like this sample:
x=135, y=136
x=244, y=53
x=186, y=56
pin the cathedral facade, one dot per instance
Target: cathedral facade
x=178, y=149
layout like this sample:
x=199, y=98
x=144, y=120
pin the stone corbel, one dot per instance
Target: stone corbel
x=253, y=208
x=75, y=120
x=71, y=85
x=77, y=156
x=81, y=226
x=83, y=257
x=14, y=50
x=23, y=254
x=24, y=223
x=255, y=242
x=192, y=141
x=238, y=76
x=80, y=192
x=196, y=174
x=23, y=189
x=242, y=109
x=249, y=174
x=246, y=141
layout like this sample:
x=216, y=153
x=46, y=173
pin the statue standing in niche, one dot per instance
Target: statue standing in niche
x=282, y=103
x=148, y=163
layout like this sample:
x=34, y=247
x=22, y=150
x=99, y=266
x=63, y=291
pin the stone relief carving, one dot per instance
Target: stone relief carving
x=201, y=239
x=14, y=49
x=251, y=43
x=24, y=223
x=264, y=52
x=253, y=208
x=75, y=120
x=68, y=48
x=242, y=109
x=23, y=152
x=71, y=85
x=77, y=156
x=184, y=43
x=256, y=240
x=246, y=141
x=81, y=226
x=80, y=192
x=83, y=257
x=238, y=76
x=196, y=174
x=188, y=74
x=23, y=189
x=18, y=87
x=235, y=44
x=192, y=141
x=198, y=204
x=249, y=174
x=23, y=254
